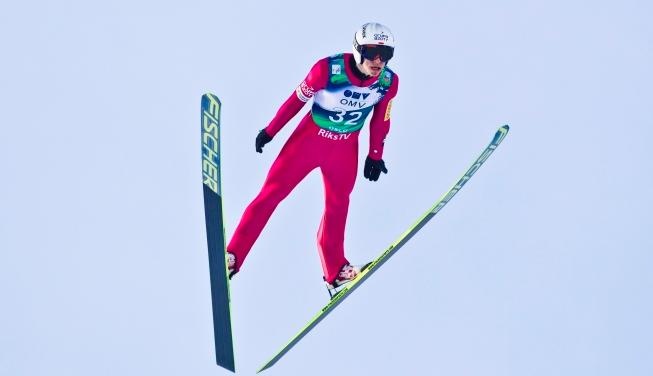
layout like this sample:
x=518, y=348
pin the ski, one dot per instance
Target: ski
x=224, y=351
x=393, y=248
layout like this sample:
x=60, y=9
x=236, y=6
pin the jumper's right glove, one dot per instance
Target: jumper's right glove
x=261, y=139
x=373, y=169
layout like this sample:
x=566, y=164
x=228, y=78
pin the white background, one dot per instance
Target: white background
x=540, y=266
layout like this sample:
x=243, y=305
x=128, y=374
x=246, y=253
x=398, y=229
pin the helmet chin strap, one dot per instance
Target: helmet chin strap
x=358, y=69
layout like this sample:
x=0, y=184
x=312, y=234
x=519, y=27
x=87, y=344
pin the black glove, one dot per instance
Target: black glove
x=261, y=139
x=373, y=169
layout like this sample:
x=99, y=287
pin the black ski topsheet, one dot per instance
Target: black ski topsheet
x=392, y=249
x=224, y=351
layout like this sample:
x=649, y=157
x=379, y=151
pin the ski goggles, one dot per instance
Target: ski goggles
x=370, y=52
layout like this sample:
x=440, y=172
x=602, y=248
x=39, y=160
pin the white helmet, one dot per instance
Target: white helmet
x=373, y=33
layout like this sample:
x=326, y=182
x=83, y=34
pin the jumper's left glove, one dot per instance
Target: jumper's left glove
x=373, y=169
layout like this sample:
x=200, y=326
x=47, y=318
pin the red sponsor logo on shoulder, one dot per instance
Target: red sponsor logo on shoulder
x=305, y=92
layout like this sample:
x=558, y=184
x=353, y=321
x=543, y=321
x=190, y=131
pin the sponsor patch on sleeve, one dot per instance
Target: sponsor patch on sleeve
x=304, y=92
x=387, y=111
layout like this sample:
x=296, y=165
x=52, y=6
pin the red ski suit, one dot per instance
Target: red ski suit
x=311, y=146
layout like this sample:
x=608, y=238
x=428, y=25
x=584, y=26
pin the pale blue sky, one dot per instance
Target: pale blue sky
x=540, y=266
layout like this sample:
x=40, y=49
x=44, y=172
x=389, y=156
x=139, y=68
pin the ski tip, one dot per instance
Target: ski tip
x=211, y=97
x=501, y=133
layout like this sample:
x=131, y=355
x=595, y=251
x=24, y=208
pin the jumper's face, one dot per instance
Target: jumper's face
x=375, y=57
x=373, y=67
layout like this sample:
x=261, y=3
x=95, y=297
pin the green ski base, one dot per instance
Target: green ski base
x=224, y=349
x=501, y=133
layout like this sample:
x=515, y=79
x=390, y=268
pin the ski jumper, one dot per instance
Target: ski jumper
x=326, y=138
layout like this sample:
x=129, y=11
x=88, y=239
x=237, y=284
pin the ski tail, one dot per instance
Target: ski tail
x=215, y=238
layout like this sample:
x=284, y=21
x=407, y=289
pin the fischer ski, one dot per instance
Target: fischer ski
x=224, y=351
x=393, y=248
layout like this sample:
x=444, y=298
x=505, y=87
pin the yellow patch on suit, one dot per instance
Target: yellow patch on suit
x=387, y=111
